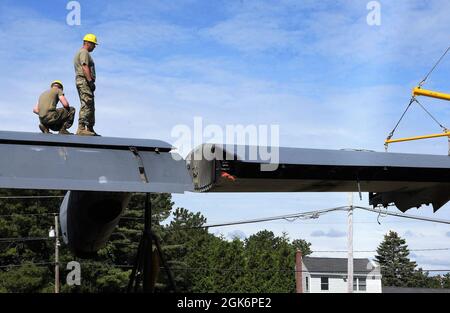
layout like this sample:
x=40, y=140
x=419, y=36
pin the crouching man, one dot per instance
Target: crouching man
x=50, y=117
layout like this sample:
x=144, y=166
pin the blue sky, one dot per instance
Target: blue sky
x=316, y=69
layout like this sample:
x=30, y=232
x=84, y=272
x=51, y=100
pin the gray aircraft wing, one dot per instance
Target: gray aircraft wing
x=38, y=161
x=42, y=161
x=407, y=180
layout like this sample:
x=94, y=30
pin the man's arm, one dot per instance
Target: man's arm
x=88, y=75
x=36, y=109
x=87, y=72
x=64, y=101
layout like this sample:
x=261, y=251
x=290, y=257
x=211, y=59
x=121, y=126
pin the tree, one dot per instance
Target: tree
x=26, y=278
x=303, y=246
x=270, y=263
x=421, y=279
x=26, y=253
x=199, y=260
x=396, y=267
x=446, y=281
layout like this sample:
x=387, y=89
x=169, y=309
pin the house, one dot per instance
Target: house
x=329, y=275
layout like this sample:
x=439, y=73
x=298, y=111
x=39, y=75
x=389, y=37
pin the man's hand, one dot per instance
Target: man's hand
x=91, y=84
x=64, y=102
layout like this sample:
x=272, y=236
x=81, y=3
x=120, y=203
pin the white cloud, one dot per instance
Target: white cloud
x=332, y=233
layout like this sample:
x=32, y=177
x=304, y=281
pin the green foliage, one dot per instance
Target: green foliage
x=446, y=281
x=393, y=256
x=26, y=278
x=199, y=260
x=399, y=271
x=303, y=246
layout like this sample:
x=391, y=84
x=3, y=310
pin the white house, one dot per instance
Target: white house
x=329, y=275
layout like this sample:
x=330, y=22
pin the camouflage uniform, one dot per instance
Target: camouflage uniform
x=87, y=108
x=51, y=117
x=59, y=119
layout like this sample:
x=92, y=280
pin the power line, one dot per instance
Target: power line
x=29, y=197
x=23, y=239
x=278, y=270
x=310, y=215
x=28, y=214
x=288, y=217
x=316, y=214
x=20, y=265
x=55, y=213
x=218, y=269
x=370, y=251
x=403, y=215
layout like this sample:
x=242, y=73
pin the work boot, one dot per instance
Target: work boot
x=44, y=129
x=91, y=129
x=83, y=131
x=64, y=131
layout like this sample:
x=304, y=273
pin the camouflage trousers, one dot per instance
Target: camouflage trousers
x=87, y=108
x=60, y=118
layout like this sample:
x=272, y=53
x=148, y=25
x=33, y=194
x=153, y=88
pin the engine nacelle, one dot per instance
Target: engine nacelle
x=88, y=219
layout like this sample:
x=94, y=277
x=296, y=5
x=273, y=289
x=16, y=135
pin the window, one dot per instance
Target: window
x=324, y=283
x=307, y=283
x=359, y=284
x=362, y=284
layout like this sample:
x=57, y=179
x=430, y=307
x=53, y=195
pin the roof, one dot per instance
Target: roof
x=413, y=290
x=337, y=265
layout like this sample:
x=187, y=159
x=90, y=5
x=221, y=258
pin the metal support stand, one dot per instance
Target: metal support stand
x=146, y=266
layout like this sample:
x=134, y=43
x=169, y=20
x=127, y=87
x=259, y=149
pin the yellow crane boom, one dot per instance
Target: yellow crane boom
x=417, y=91
x=429, y=93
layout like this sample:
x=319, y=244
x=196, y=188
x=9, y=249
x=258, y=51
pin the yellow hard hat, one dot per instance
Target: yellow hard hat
x=91, y=38
x=57, y=82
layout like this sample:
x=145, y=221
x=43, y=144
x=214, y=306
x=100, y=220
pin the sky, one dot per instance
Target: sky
x=317, y=70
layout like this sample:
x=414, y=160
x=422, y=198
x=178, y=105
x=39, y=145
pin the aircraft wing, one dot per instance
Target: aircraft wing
x=38, y=161
x=42, y=161
x=407, y=180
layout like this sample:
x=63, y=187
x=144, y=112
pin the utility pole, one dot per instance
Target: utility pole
x=56, y=254
x=298, y=272
x=350, y=244
x=449, y=145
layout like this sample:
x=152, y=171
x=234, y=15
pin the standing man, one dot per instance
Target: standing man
x=49, y=116
x=85, y=81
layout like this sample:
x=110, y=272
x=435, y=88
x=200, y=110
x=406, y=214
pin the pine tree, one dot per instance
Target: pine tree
x=446, y=281
x=303, y=246
x=396, y=267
